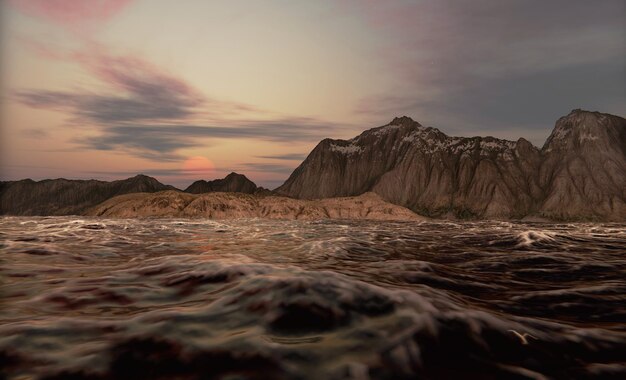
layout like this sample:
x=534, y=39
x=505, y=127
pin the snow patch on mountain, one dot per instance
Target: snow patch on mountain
x=347, y=150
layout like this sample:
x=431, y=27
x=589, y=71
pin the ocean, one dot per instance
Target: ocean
x=136, y=299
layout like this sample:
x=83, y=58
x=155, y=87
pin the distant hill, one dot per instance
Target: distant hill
x=67, y=197
x=579, y=174
x=234, y=183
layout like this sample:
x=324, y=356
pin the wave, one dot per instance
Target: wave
x=253, y=299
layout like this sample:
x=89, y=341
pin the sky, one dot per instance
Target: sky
x=188, y=90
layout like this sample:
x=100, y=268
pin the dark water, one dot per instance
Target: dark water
x=259, y=299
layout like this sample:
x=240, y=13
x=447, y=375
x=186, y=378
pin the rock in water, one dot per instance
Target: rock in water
x=235, y=183
x=67, y=197
x=579, y=174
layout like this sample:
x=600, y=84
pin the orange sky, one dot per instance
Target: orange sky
x=183, y=91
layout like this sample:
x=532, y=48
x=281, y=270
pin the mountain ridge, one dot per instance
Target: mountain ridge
x=65, y=196
x=438, y=175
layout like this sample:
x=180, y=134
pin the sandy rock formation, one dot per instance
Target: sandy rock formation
x=218, y=205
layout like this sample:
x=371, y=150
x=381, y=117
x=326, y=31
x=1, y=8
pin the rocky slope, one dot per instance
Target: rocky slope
x=67, y=197
x=584, y=168
x=219, y=205
x=579, y=173
x=236, y=183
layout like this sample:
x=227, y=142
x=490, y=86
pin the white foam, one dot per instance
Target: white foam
x=528, y=238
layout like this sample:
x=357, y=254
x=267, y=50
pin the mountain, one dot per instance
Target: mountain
x=219, y=205
x=584, y=168
x=579, y=174
x=67, y=197
x=235, y=183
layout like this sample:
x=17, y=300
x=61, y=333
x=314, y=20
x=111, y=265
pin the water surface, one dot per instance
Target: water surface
x=254, y=299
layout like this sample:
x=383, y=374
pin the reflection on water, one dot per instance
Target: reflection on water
x=196, y=299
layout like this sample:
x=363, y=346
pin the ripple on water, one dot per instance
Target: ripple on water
x=144, y=299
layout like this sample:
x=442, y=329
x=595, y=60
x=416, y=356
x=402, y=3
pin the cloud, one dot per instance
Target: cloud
x=267, y=168
x=153, y=143
x=163, y=141
x=153, y=172
x=287, y=157
x=138, y=92
x=103, y=109
x=148, y=113
x=139, y=108
x=463, y=64
x=76, y=15
x=35, y=133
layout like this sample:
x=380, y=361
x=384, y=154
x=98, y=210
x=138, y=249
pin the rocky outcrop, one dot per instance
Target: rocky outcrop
x=218, y=205
x=67, y=197
x=235, y=183
x=579, y=174
x=584, y=168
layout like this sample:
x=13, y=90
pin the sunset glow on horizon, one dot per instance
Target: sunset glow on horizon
x=185, y=91
x=198, y=166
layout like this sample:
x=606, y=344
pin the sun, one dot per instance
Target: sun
x=198, y=165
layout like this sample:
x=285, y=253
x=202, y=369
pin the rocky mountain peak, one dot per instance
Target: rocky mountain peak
x=582, y=129
x=398, y=128
x=233, y=182
x=141, y=178
x=141, y=183
x=402, y=120
x=524, y=146
x=233, y=175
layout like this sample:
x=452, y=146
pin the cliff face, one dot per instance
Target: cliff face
x=67, y=197
x=218, y=205
x=584, y=168
x=579, y=174
x=233, y=183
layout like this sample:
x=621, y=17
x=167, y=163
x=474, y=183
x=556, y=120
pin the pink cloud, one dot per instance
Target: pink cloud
x=136, y=76
x=138, y=91
x=72, y=14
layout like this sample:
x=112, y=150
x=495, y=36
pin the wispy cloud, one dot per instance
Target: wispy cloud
x=35, y=133
x=263, y=167
x=154, y=172
x=137, y=91
x=461, y=63
x=287, y=157
x=75, y=15
x=148, y=113
x=162, y=142
x=139, y=108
